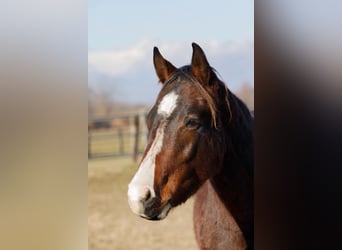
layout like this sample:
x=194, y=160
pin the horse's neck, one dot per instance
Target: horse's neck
x=234, y=184
x=235, y=192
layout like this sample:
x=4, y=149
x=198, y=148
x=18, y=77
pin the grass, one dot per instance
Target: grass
x=112, y=225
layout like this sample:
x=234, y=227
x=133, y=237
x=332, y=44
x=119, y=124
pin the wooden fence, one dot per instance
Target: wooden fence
x=124, y=135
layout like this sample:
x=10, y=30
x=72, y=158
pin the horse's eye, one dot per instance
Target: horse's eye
x=192, y=123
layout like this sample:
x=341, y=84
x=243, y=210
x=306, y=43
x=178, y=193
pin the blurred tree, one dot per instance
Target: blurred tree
x=101, y=92
x=246, y=93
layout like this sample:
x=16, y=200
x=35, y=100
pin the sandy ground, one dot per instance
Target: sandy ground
x=111, y=224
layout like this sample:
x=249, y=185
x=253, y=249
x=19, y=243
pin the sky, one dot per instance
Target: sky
x=121, y=37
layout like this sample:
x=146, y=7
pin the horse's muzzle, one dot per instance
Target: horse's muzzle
x=142, y=202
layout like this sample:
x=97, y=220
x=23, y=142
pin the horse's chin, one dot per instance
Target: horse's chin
x=160, y=215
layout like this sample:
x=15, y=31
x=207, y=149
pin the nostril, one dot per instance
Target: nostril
x=140, y=198
x=147, y=194
x=140, y=194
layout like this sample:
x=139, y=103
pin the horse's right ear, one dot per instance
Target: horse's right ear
x=163, y=67
x=199, y=65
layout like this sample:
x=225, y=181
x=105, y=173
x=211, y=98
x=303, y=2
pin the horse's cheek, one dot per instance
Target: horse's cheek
x=207, y=162
x=166, y=192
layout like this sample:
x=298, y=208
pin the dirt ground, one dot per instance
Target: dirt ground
x=112, y=225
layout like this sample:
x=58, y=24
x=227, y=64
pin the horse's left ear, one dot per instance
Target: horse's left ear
x=162, y=66
x=199, y=65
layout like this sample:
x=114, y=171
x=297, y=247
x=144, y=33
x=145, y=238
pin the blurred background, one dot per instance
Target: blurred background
x=121, y=78
x=122, y=87
x=52, y=59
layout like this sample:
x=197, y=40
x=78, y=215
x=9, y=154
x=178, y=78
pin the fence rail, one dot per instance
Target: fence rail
x=117, y=136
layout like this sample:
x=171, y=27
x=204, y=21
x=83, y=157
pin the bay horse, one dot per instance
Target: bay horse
x=200, y=141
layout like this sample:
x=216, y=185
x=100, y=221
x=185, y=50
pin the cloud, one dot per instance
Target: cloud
x=118, y=62
x=234, y=60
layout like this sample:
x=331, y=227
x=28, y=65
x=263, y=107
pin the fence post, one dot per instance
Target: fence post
x=121, y=141
x=89, y=144
x=136, y=138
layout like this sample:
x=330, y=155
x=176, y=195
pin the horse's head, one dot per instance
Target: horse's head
x=185, y=145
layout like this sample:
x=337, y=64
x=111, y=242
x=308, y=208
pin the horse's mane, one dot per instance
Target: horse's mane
x=243, y=133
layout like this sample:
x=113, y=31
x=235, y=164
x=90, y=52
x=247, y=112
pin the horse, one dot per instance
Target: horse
x=200, y=142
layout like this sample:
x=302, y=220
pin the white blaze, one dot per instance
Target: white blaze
x=168, y=104
x=144, y=178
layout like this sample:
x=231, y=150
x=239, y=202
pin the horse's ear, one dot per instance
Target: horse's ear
x=163, y=67
x=199, y=65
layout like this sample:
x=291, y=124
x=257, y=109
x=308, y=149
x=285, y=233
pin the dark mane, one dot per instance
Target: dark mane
x=242, y=136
